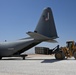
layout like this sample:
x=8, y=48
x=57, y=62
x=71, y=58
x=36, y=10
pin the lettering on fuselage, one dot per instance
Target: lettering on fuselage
x=10, y=48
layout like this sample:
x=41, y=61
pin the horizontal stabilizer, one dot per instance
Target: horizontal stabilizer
x=40, y=37
x=26, y=38
x=52, y=41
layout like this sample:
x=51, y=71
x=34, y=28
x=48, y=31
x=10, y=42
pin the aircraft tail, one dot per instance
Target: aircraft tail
x=45, y=29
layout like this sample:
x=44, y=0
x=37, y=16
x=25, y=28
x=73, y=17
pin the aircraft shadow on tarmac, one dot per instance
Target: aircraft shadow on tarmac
x=29, y=58
x=42, y=60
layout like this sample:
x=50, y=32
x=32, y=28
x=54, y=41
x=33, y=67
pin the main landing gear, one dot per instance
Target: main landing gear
x=24, y=56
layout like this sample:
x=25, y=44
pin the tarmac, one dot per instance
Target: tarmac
x=37, y=65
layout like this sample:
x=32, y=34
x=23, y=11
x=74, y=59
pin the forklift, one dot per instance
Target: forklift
x=68, y=51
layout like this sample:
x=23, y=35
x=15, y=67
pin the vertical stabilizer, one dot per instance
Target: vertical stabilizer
x=46, y=25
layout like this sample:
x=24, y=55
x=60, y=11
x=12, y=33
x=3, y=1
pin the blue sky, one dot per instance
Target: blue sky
x=20, y=16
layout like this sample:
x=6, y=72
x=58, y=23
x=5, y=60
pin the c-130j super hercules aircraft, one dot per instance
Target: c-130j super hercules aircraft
x=45, y=31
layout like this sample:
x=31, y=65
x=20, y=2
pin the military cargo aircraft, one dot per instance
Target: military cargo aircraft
x=45, y=31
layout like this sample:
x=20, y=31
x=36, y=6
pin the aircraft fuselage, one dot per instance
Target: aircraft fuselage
x=11, y=48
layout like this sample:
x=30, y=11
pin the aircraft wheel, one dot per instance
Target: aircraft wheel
x=23, y=57
x=59, y=55
x=74, y=55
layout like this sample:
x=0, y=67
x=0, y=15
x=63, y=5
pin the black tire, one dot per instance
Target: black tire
x=74, y=55
x=59, y=55
x=23, y=57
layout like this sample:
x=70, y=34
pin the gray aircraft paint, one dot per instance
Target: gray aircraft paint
x=45, y=31
x=46, y=24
